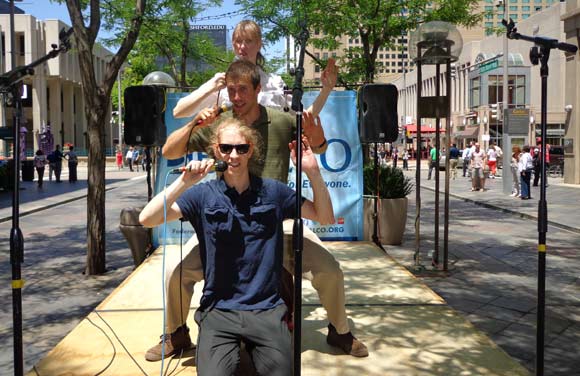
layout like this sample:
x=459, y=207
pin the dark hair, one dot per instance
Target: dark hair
x=39, y=152
x=526, y=148
x=244, y=69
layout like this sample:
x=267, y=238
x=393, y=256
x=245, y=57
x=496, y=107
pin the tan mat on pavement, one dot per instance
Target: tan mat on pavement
x=409, y=330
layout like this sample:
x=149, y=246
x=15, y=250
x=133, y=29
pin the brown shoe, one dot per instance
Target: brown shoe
x=174, y=343
x=346, y=342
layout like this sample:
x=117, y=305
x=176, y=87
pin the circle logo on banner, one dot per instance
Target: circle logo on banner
x=347, y=156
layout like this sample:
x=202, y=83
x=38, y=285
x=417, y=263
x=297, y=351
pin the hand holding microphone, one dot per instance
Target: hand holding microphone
x=211, y=113
x=219, y=166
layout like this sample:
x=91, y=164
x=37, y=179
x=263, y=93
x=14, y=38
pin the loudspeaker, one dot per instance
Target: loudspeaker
x=377, y=110
x=145, y=115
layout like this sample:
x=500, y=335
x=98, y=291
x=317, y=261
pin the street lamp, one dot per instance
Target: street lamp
x=434, y=43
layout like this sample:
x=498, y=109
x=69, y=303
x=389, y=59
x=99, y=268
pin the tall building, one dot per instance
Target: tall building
x=218, y=34
x=53, y=95
x=391, y=61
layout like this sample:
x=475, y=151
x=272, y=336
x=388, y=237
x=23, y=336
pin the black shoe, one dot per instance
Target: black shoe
x=346, y=342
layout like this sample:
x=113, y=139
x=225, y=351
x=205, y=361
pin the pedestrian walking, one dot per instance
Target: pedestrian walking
x=129, y=158
x=525, y=168
x=405, y=160
x=55, y=160
x=40, y=162
x=73, y=162
x=433, y=157
x=453, y=160
x=516, y=151
x=119, y=158
x=477, y=164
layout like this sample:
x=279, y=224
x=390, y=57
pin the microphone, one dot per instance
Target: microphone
x=226, y=106
x=219, y=166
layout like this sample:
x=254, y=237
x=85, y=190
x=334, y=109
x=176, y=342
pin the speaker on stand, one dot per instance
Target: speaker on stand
x=377, y=110
x=145, y=115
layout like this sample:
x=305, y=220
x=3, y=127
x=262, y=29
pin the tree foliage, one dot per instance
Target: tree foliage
x=376, y=23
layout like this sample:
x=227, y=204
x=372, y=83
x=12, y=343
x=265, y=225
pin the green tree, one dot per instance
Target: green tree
x=87, y=17
x=376, y=23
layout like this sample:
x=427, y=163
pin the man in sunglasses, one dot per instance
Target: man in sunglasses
x=277, y=130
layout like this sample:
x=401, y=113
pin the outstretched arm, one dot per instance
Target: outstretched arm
x=312, y=129
x=176, y=144
x=328, y=78
x=320, y=208
x=152, y=213
x=188, y=105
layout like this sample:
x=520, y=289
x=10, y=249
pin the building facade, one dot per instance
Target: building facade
x=477, y=88
x=53, y=95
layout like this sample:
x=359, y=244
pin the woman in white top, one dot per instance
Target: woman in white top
x=247, y=42
x=516, y=151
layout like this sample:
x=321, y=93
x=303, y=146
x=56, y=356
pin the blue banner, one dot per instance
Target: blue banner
x=341, y=168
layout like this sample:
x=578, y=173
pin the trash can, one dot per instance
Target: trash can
x=27, y=170
x=138, y=237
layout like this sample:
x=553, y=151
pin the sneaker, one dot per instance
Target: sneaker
x=174, y=343
x=346, y=342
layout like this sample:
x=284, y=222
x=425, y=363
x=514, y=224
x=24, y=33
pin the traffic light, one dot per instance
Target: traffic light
x=453, y=69
x=495, y=110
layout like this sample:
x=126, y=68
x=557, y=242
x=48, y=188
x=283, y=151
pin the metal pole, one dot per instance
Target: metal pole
x=119, y=105
x=506, y=175
x=435, y=258
x=417, y=256
x=16, y=238
x=542, y=221
x=404, y=102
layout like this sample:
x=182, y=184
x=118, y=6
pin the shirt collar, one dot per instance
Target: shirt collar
x=255, y=186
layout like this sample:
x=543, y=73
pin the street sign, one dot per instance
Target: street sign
x=490, y=65
x=517, y=121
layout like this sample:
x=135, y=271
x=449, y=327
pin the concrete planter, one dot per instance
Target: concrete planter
x=392, y=215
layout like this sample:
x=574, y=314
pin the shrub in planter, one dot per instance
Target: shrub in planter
x=393, y=188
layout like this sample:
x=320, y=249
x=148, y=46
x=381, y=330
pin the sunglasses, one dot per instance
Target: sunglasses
x=240, y=148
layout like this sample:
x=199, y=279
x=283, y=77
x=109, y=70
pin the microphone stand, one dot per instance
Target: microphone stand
x=10, y=85
x=540, y=53
x=297, y=233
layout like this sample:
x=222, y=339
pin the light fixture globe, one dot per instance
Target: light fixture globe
x=159, y=78
x=436, y=42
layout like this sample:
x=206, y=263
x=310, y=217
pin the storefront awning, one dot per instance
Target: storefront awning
x=469, y=132
x=412, y=128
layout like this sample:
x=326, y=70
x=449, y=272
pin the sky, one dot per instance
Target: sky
x=45, y=9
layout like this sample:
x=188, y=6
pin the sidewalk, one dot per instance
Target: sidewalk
x=33, y=199
x=562, y=199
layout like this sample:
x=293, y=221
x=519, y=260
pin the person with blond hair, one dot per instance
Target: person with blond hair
x=238, y=218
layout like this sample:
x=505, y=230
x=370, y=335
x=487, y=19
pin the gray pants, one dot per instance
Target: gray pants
x=264, y=332
x=319, y=266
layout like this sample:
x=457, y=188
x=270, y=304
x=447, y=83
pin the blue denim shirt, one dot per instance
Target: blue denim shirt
x=240, y=238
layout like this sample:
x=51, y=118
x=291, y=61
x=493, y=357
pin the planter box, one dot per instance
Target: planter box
x=392, y=216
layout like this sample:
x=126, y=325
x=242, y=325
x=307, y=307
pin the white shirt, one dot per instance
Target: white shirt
x=271, y=95
x=491, y=154
x=525, y=162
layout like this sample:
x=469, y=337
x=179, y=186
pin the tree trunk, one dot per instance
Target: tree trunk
x=96, y=242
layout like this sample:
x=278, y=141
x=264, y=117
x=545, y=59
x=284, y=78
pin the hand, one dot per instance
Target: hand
x=219, y=81
x=309, y=163
x=312, y=129
x=329, y=74
x=196, y=170
x=205, y=117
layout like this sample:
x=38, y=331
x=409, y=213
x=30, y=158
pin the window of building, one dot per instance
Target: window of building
x=381, y=56
x=513, y=8
x=525, y=1
x=500, y=16
x=525, y=8
x=514, y=1
x=513, y=16
x=516, y=89
x=488, y=25
x=334, y=54
x=325, y=55
x=21, y=47
x=488, y=8
x=524, y=16
x=393, y=56
x=538, y=1
x=475, y=95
